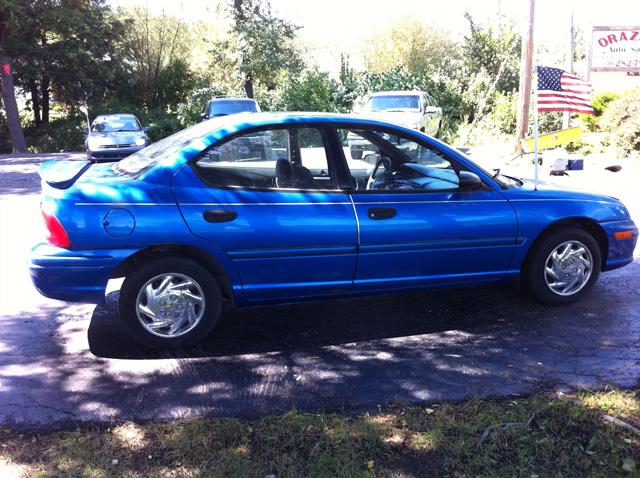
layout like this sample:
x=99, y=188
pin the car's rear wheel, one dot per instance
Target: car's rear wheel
x=169, y=303
x=562, y=267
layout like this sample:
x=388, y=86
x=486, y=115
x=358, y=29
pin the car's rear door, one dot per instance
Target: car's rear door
x=270, y=199
x=417, y=226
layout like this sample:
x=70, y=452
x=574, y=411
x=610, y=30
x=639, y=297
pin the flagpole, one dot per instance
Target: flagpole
x=535, y=128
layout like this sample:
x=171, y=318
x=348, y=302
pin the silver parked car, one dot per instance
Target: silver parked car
x=411, y=109
x=228, y=106
x=115, y=136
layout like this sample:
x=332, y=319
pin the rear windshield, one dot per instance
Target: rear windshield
x=394, y=103
x=228, y=107
x=148, y=157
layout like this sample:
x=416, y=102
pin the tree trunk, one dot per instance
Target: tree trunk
x=248, y=78
x=248, y=85
x=45, y=89
x=10, y=105
x=45, y=98
x=35, y=102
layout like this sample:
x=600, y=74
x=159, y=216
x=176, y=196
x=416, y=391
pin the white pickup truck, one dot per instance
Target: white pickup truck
x=411, y=109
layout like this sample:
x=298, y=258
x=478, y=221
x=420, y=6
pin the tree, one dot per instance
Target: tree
x=156, y=51
x=11, y=16
x=418, y=49
x=64, y=49
x=261, y=46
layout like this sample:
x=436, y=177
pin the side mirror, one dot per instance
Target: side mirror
x=431, y=109
x=469, y=180
x=146, y=129
x=85, y=130
x=203, y=115
x=371, y=158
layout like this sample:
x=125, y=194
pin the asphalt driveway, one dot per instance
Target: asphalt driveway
x=62, y=362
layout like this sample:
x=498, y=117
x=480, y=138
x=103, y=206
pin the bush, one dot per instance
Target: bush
x=600, y=103
x=5, y=143
x=189, y=111
x=161, y=124
x=622, y=119
x=63, y=134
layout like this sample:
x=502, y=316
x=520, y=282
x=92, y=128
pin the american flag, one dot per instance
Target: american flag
x=559, y=90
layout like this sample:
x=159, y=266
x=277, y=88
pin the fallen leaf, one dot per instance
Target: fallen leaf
x=370, y=464
x=429, y=411
x=114, y=462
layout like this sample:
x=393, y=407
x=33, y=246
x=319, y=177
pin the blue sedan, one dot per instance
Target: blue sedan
x=272, y=208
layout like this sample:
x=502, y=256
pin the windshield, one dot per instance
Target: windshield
x=228, y=107
x=147, y=157
x=394, y=103
x=115, y=123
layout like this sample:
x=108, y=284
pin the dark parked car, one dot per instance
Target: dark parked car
x=228, y=106
x=216, y=213
x=113, y=137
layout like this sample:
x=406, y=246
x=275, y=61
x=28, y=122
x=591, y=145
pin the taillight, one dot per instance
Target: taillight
x=56, y=235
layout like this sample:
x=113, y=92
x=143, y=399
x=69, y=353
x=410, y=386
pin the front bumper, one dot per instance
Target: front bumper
x=620, y=250
x=112, y=154
x=74, y=276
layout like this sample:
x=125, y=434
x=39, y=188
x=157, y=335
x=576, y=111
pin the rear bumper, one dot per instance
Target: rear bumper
x=620, y=250
x=74, y=276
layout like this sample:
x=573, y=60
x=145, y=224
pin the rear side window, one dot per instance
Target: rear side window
x=291, y=158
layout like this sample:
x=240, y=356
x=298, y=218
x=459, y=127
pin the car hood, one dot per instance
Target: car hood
x=116, y=137
x=404, y=118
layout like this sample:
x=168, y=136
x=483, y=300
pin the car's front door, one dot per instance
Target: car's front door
x=270, y=200
x=417, y=224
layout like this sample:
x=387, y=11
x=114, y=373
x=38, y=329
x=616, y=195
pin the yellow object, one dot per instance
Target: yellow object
x=553, y=139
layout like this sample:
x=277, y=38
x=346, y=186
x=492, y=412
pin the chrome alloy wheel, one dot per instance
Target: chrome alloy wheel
x=568, y=268
x=170, y=305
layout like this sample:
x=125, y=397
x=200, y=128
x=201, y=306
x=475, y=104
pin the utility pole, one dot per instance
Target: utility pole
x=524, y=92
x=572, y=46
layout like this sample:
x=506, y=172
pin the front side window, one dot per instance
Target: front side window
x=293, y=158
x=379, y=160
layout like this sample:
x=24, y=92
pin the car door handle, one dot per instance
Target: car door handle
x=219, y=215
x=381, y=212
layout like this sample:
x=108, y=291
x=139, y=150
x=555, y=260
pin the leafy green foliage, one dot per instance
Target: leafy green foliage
x=157, y=49
x=599, y=103
x=261, y=46
x=622, y=117
x=59, y=135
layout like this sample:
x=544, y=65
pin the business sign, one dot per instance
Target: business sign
x=615, y=49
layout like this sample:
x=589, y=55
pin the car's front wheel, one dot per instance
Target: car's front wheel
x=562, y=267
x=169, y=303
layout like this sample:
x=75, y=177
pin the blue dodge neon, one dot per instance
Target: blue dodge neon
x=272, y=208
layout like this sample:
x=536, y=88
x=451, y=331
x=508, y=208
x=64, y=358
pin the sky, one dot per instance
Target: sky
x=332, y=27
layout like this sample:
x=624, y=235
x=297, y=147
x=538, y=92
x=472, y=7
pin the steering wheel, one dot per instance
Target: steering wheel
x=388, y=175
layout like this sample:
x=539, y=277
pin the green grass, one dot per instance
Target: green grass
x=538, y=436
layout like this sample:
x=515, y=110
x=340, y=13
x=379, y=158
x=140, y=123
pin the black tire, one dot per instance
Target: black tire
x=147, y=271
x=356, y=153
x=533, y=272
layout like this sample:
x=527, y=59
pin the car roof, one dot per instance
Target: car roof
x=244, y=120
x=116, y=115
x=397, y=93
x=239, y=98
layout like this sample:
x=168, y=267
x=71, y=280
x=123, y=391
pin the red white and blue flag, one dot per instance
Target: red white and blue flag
x=559, y=90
